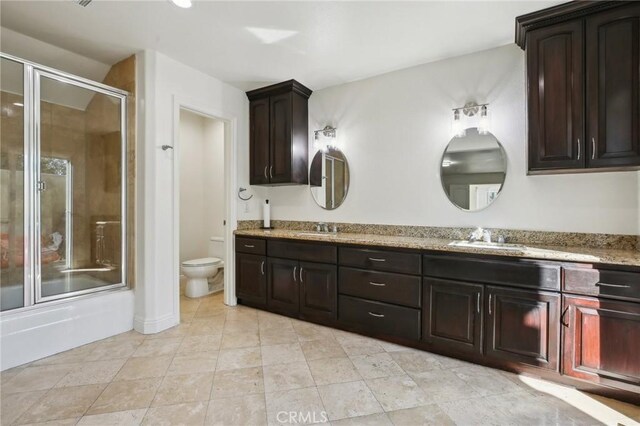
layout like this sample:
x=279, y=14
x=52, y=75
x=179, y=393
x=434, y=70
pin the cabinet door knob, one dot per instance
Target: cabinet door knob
x=295, y=278
x=373, y=314
x=579, y=149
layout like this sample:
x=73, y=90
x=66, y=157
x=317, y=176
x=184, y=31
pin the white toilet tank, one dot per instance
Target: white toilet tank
x=216, y=247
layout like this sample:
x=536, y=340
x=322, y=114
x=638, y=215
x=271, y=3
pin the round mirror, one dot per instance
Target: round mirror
x=329, y=178
x=473, y=170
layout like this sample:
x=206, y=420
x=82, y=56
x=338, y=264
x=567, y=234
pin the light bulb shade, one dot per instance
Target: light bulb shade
x=484, y=122
x=457, y=126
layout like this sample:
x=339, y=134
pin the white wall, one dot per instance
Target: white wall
x=201, y=142
x=167, y=83
x=395, y=127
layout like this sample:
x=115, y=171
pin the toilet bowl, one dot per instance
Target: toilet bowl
x=197, y=272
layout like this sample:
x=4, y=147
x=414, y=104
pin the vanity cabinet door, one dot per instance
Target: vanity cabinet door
x=280, y=155
x=613, y=87
x=602, y=341
x=523, y=326
x=259, y=141
x=283, y=288
x=452, y=315
x=555, y=70
x=251, y=278
x=318, y=290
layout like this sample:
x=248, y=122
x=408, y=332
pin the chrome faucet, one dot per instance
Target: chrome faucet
x=322, y=227
x=480, y=234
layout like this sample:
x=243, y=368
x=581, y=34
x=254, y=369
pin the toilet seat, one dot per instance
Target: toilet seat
x=205, y=261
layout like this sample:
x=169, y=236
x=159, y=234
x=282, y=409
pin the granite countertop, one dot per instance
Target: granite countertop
x=557, y=253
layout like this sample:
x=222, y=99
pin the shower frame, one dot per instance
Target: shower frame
x=33, y=72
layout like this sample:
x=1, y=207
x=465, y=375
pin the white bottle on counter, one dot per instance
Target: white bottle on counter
x=266, y=215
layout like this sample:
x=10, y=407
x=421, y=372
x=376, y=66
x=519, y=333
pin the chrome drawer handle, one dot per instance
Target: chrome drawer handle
x=376, y=315
x=578, y=148
x=295, y=268
x=377, y=284
x=265, y=172
x=262, y=267
x=376, y=259
x=271, y=172
x=612, y=285
x=301, y=270
x=593, y=148
x=249, y=246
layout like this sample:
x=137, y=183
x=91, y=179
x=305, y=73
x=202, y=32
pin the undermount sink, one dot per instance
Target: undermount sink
x=488, y=246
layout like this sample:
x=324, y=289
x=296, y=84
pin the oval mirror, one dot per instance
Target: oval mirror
x=473, y=170
x=329, y=178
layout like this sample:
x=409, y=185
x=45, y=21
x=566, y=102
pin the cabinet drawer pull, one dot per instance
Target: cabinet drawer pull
x=579, y=149
x=249, y=246
x=478, y=302
x=301, y=269
x=271, y=172
x=265, y=172
x=262, y=267
x=373, y=314
x=295, y=269
x=593, y=148
x=377, y=284
x=613, y=285
x=490, y=297
x=562, y=317
x=377, y=259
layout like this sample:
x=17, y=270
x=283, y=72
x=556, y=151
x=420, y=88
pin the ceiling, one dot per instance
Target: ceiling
x=250, y=44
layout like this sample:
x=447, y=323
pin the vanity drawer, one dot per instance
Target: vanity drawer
x=381, y=260
x=381, y=286
x=517, y=273
x=379, y=318
x=310, y=252
x=602, y=282
x=251, y=245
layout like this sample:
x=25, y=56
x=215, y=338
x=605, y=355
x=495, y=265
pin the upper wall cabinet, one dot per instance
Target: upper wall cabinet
x=279, y=134
x=583, y=86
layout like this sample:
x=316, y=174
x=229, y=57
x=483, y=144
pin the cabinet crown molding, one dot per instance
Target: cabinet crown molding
x=560, y=13
x=274, y=89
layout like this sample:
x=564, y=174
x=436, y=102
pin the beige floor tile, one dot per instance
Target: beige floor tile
x=144, y=368
x=274, y=322
x=186, y=317
x=189, y=305
x=119, y=418
x=208, y=311
x=108, y=350
x=360, y=346
x=179, y=330
x=239, y=358
x=14, y=405
x=316, y=349
x=376, y=365
x=307, y=332
x=333, y=370
x=392, y=347
x=240, y=340
x=201, y=327
x=59, y=422
x=276, y=336
x=415, y=362
x=444, y=385
x=131, y=335
x=474, y=411
x=280, y=377
x=204, y=343
x=241, y=313
x=379, y=419
x=295, y=403
x=187, y=414
x=282, y=354
x=241, y=326
x=184, y=388
x=158, y=347
x=486, y=381
x=352, y=399
x=36, y=378
x=237, y=382
x=397, y=392
x=91, y=373
x=427, y=415
x=197, y=362
x=62, y=403
x=73, y=356
x=247, y=410
x=126, y=395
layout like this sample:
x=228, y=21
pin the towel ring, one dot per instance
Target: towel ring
x=241, y=190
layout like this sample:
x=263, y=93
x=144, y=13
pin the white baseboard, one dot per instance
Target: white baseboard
x=151, y=326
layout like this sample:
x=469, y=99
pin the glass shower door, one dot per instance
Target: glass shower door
x=80, y=193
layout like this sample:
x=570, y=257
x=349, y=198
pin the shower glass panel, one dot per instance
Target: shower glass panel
x=12, y=213
x=79, y=190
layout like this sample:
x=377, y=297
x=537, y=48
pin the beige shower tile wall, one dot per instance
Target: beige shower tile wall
x=538, y=238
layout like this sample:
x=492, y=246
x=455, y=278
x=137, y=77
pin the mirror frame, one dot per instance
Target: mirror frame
x=346, y=190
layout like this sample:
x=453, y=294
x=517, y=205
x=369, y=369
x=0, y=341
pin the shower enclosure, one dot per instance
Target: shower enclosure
x=62, y=185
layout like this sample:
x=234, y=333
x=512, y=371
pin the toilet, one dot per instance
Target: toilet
x=198, y=271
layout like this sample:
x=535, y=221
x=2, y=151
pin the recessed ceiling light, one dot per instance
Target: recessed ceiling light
x=185, y=4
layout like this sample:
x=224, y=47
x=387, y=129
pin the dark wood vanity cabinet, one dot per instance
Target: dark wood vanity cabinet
x=283, y=288
x=278, y=134
x=583, y=86
x=251, y=278
x=602, y=341
x=523, y=326
x=452, y=315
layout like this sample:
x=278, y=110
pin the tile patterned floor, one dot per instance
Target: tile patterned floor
x=233, y=366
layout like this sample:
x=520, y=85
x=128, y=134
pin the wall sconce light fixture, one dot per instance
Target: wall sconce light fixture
x=474, y=116
x=325, y=138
